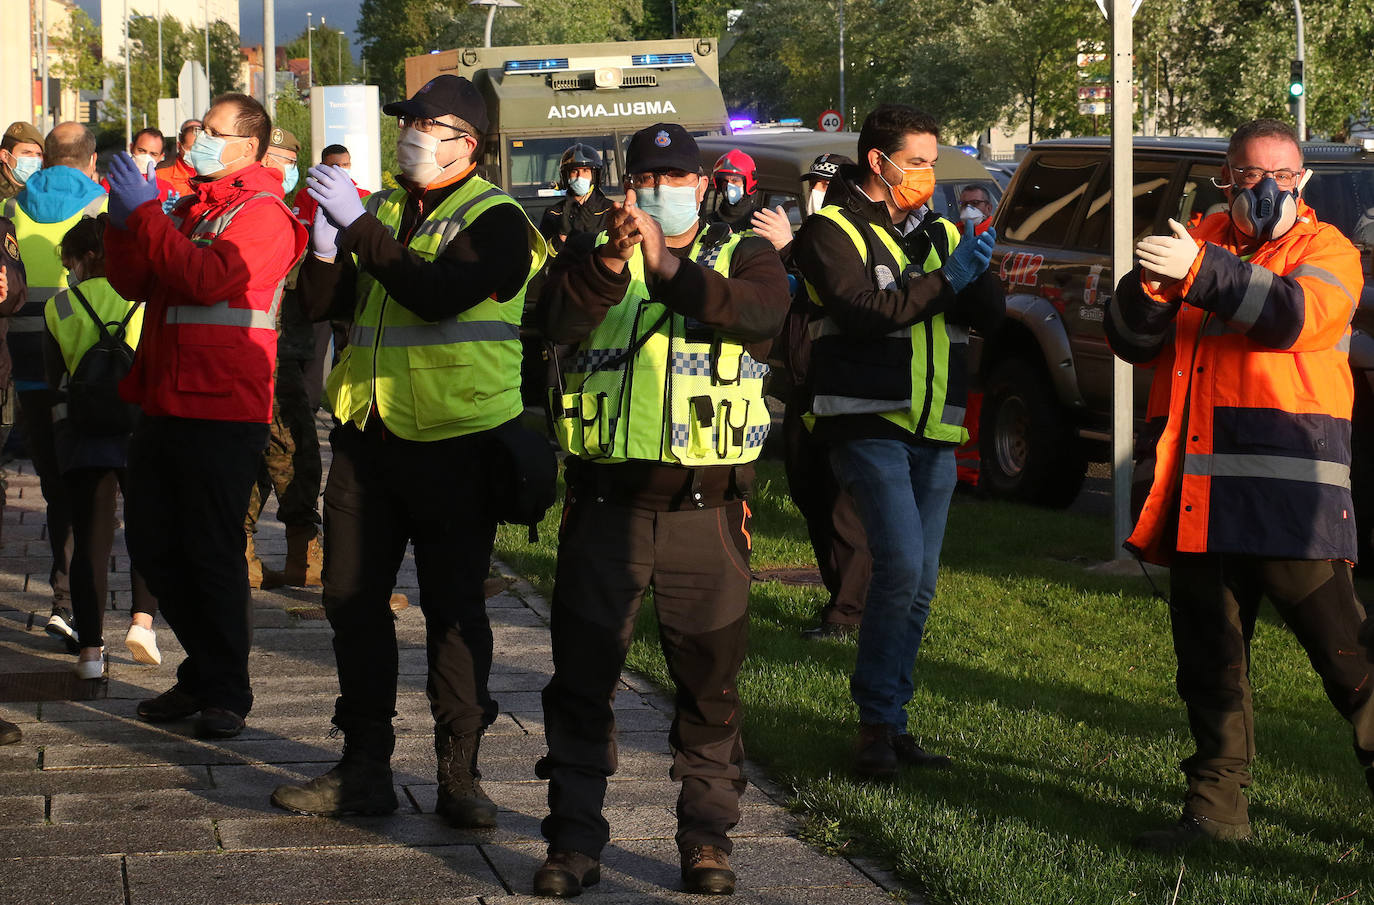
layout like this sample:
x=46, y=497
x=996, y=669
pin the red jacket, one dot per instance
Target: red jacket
x=209, y=341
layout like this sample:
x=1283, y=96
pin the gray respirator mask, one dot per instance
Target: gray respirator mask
x=1264, y=211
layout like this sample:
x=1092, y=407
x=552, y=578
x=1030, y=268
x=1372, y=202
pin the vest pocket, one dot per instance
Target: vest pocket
x=443, y=385
x=204, y=364
x=584, y=425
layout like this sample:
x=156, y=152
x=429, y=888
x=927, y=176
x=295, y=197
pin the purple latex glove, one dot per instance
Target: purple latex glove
x=333, y=188
x=129, y=189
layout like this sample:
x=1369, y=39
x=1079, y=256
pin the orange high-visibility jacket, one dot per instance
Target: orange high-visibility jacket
x=1251, y=358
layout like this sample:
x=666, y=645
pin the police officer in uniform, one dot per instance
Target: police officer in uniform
x=584, y=208
x=291, y=463
x=658, y=474
x=432, y=276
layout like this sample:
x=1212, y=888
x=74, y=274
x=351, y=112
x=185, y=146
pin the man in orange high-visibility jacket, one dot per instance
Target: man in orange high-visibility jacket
x=1247, y=322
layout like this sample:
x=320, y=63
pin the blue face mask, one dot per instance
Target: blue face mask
x=204, y=154
x=289, y=179
x=733, y=192
x=579, y=186
x=24, y=167
x=673, y=206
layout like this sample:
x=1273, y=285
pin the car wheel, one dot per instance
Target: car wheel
x=1028, y=450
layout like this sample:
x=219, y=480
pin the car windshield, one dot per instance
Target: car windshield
x=1344, y=197
x=534, y=162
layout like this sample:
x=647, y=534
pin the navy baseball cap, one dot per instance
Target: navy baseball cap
x=662, y=146
x=442, y=95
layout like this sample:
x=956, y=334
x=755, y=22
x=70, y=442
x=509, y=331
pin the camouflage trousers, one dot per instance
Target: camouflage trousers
x=291, y=462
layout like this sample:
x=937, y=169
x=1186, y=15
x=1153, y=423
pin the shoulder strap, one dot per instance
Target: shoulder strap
x=95, y=318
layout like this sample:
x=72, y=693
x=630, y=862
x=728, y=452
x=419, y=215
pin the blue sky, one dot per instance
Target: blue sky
x=290, y=17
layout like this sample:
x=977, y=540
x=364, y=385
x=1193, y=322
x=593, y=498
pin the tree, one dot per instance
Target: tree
x=330, y=52
x=78, y=52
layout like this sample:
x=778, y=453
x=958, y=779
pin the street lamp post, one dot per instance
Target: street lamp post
x=269, y=56
x=1302, y=98
x=128, y=102
x=159, y=48
x=491, y=6
x=309, y=55
x=844, y=111
x=207, y=48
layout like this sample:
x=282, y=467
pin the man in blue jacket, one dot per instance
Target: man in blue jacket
x=51, y=202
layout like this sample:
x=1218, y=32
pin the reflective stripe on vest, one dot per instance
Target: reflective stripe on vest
x=433, y=380
x=1279, y=468
x=688, y=396
x=928, y=413
x=219, y=314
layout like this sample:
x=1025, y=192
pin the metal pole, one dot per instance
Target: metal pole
x=269, y=56
x=339, y=43
x=843, y=111
x=159, y=48
x=128, y=102
x=309, y=55
x=43, y=66
x=491, y=16
x=1123, y=421
x=1302, y=98
x=674, y=5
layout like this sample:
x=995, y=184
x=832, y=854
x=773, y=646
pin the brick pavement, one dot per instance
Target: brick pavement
x=97, y=807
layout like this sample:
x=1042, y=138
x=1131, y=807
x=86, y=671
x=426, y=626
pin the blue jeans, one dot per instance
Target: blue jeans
x=902, y=492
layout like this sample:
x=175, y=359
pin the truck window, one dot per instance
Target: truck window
x=1150, y=183
x=790, y=204
x=1200, y=197
x=1343, y=197
x=1049, y=196
x=945, y=201
x=534, y=162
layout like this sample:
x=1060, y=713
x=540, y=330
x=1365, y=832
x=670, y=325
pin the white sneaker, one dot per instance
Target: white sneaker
x=142, y=643
x=91, y=669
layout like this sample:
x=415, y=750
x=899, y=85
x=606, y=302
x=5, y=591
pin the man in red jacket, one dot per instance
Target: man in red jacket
x=211, y=274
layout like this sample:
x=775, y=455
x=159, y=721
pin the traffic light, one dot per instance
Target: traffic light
x=1295, y=84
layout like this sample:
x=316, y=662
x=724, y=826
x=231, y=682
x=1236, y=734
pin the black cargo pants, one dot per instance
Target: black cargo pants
x=384, y=492
x=1214, y=602
x=697, y=562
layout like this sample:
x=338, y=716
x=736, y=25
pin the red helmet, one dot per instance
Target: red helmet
x=737, y=163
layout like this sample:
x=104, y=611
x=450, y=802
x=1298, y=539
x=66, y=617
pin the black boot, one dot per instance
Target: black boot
x=360, y=783
x=461, y=799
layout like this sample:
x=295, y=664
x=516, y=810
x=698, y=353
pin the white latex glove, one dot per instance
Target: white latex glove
x=1168, y=256
x=773, y=225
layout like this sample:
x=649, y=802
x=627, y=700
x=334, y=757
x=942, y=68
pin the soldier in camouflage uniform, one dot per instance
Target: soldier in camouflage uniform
x=291, y=462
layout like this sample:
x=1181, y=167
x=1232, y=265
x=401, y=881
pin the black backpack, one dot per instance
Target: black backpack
x=93, y=404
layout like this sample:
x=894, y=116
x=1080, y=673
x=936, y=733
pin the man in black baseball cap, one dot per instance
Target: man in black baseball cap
x=444, y=95
x=655, y=498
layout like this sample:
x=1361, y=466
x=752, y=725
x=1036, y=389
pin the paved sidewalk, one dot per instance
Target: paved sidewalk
x=97, y=807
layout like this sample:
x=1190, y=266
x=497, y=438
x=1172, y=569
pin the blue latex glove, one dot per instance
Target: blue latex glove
x=970, y=259
x=337, y=195
x=128, y=189
x=172, y=198
x=324, y=236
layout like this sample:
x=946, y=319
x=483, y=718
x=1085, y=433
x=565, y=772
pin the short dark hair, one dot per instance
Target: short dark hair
x=75, y=153
x=85, y=237
x=887, y=127
x=162, y=139
x=331, y=150
x=987, y=196
x=252, y=120
x=188, y=126
x=1263, y=128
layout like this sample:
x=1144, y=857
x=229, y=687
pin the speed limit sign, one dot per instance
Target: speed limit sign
x=831, y=121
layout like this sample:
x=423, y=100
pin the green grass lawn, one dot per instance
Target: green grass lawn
x=1052, y=687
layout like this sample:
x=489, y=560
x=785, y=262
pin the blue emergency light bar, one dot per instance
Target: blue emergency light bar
x=548, y=64
x=790, y=121
x=737, y=124
x=662, y=60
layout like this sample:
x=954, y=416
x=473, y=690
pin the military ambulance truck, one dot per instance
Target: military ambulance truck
x=543, y=98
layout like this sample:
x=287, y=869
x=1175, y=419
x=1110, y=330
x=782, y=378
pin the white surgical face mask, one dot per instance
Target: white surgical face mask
x=143, y=161
x=816, y=200
x=415, y=152
x=971, y=214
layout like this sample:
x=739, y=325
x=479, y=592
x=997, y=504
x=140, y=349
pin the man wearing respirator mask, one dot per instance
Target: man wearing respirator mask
x=660, y=407
x=1246, y=323
x=897, y=289
x=432, y=276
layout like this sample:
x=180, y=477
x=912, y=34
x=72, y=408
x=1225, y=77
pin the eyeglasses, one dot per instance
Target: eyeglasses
x=639, y=181
x=1248, y=176
x=213, y=134
x=425, y=124
x=288, y=160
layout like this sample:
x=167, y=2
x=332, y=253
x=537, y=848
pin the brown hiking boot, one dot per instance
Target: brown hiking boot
x=564, y=874
x=1191, y=830
x=913, y=755
x=304, y=560
x=706, y=870
x=874, y=757
x=461, y=799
